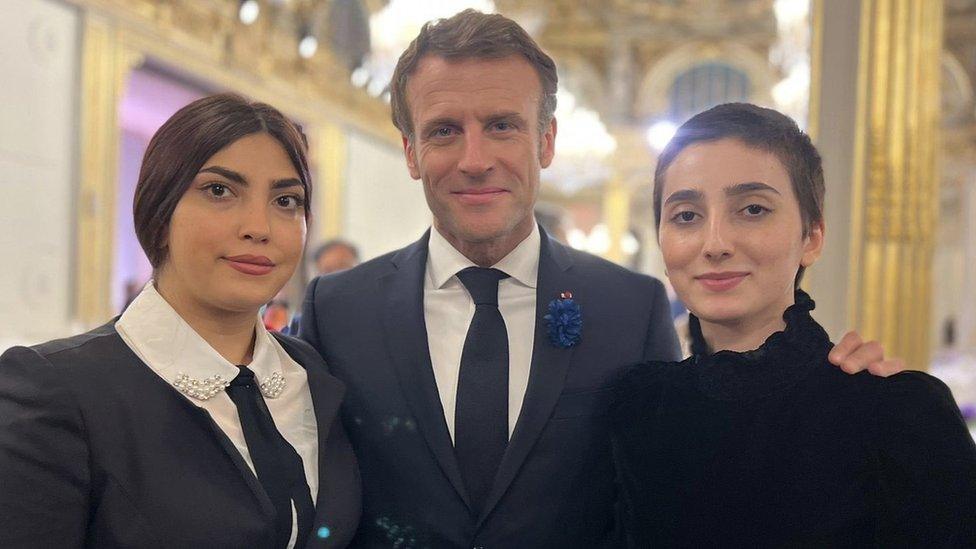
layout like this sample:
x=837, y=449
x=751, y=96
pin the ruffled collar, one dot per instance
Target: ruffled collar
x=783, y=359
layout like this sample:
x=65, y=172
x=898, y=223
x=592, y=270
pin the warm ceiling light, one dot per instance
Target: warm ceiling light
x=308, y=45
x=660, y=134
x=359, y=77
x=248, y=11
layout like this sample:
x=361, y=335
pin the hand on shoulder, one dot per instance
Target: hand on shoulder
x=852, y=354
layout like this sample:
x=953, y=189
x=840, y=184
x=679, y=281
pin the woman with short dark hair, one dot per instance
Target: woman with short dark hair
x=184, y=423
x=756, y=440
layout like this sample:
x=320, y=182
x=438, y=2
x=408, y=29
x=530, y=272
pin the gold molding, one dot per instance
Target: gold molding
x=896, y=174
x=652, y=87
x=616, y=214
x=104, y=66
x=204, y=41
x=330, y=155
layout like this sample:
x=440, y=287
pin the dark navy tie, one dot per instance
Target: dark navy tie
x=481, y=412
x=276, y=463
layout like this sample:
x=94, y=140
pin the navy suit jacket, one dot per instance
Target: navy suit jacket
x=555, y=486
x=96, y=450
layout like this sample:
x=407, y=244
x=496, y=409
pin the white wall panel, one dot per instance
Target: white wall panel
x=38, y=62
x=385, y=208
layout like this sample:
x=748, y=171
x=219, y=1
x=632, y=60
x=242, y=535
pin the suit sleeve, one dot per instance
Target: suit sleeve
x=309, y=329
x=928, y=465
x=661, y=343
x=44, y=457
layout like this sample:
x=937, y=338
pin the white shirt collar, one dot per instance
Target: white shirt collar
x=522, y=264
x=162, y=339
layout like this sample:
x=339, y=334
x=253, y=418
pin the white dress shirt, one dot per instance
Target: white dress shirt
x=169, y=346
x=448, y=310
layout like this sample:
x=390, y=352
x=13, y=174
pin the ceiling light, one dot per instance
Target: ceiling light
x=660, y=134
x=359, y=77
x=308, y=45
x=248, y=11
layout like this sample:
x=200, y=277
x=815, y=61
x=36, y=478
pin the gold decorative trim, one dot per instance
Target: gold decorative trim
x=205, y=41
x=103, y=72
x=616, y=214
x=896, y=174
x=330, y=148
x=652, y=89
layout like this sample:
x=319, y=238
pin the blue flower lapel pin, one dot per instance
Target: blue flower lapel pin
x=565, y=323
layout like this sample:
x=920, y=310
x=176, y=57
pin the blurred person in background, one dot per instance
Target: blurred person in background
x=335, y=255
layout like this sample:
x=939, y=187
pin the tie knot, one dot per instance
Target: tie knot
x=244, y=378
x=482, y=284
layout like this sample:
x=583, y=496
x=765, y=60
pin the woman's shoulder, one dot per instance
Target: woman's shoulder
x=51, y=375
x=69, y=350
x=916, y=414
x=913, y=395
x=639, y=384
x=927, y=461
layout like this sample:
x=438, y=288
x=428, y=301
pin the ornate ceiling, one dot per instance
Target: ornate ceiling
x=579, y=23
x=617, y=57
x=604, y=49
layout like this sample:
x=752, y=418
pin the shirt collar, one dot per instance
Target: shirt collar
x=522, y=264
x=162, y=339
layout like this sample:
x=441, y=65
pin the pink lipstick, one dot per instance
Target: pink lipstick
x=256, y=265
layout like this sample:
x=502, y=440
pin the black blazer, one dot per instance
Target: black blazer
x=96, y=450
x=555, y=486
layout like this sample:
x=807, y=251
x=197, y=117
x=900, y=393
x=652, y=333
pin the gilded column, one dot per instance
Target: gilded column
x=616, y=215
x=896, y=177
x=329, y=158
x=618, y=189
x=630, y=171
x=104, y=67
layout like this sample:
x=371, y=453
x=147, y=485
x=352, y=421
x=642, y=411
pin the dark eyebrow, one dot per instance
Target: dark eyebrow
x=684, y=195
x=241, y=180
x=285, y=183
x=746, y=188
x=229, y=174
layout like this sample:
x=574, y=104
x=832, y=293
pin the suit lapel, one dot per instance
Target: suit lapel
x=406, y=336
x=206, y=422
x=547, y=374
x=327, y=393
x=264, y=502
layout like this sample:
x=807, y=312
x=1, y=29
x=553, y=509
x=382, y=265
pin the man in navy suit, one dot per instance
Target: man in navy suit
x=477, y=359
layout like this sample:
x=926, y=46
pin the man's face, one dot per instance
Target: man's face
x=477, y=146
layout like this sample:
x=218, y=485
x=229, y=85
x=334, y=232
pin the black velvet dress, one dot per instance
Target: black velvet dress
x=778, y=448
